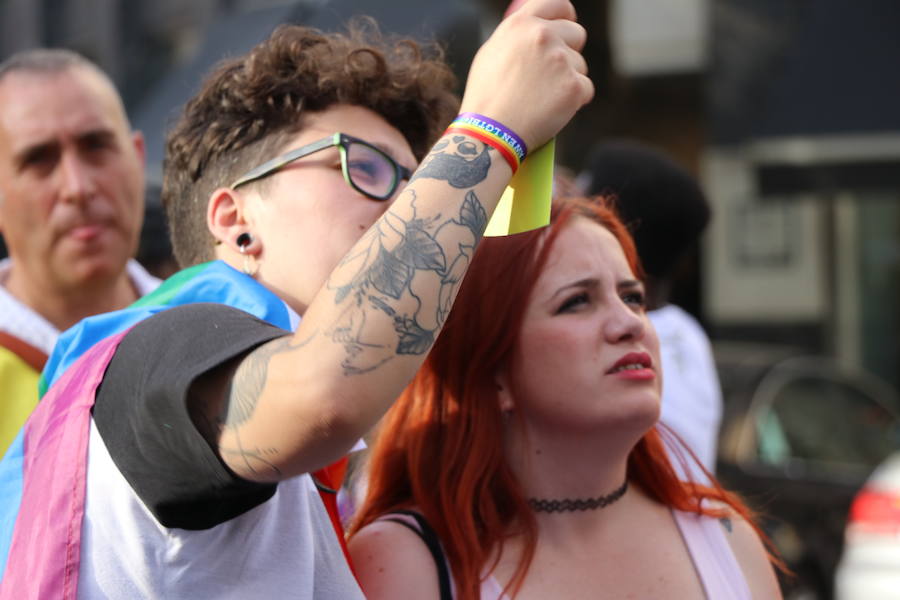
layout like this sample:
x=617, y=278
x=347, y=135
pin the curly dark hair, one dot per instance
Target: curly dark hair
x=249, y=107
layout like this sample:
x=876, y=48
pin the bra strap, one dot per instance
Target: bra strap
x=428, y=535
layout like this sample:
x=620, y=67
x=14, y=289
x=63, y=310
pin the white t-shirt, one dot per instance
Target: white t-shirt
x=164, y=517
x=284, y=548
x=692, y=396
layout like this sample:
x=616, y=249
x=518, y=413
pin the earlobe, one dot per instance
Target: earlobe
x=244, y=243
x=137, y=139
x=504, y=395
x=225, y=219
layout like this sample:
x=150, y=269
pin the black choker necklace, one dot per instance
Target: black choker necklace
x=569, y=505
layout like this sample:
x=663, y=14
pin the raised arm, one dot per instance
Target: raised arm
x=298, y=403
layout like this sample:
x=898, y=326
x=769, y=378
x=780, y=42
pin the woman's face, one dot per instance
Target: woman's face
x=587, y=355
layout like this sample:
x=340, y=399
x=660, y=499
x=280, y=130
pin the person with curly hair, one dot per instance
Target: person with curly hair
x=524, y=461
x=187, y=453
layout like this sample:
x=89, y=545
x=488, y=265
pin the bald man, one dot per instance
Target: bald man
x=71, y=207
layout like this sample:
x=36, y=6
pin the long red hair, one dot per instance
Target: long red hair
x=440, y=447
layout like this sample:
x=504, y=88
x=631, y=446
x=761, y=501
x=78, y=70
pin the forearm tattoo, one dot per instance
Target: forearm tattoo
x=464, y=168
x=410, y=256
x=394, y=290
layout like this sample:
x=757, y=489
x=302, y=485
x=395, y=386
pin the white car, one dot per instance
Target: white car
x=869, y=568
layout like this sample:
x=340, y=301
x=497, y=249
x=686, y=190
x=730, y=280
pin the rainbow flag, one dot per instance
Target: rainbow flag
x=43, y=474
x=208, y=282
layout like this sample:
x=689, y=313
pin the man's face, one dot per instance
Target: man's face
x=71, y=179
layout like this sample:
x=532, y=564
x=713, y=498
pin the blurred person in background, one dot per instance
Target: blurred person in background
x=666, y=211
x=524, y=461
x=203, y=427
x=71, y=206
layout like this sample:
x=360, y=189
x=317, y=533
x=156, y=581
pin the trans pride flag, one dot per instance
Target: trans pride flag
x=43, y=475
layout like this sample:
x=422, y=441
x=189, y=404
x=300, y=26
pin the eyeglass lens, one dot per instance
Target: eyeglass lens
x=370, y=170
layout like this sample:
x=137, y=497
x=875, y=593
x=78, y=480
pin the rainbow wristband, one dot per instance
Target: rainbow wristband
x=507, y=143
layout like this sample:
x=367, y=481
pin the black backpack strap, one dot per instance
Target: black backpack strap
x=431, y=540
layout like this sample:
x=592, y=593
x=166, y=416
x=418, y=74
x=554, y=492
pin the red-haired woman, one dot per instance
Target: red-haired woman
x=523, y=460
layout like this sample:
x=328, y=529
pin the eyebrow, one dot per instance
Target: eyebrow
x=593, y=282
x=97, y=134
x=390, y=152
x=629, y=283
x=588, y=282
x=24, y=155
x=384, y=148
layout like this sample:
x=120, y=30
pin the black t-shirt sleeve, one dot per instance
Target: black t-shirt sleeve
x=141, y=413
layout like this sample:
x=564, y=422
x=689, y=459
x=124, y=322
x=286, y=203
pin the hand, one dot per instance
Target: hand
x=530, y=75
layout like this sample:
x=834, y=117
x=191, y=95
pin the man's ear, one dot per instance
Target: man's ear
x=137, y=138
x=225, y=218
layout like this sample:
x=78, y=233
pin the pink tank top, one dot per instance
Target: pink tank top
x=713, y=558
x=716, y=565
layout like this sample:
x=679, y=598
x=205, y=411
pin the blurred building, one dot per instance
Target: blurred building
x=803, y=162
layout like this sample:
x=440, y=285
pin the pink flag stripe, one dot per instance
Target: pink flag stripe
x=46, y=544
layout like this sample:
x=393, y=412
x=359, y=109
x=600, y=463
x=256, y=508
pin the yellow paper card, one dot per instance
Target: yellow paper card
x=525, y=203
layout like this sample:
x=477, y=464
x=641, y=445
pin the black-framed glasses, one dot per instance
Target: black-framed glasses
x=367, y=169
